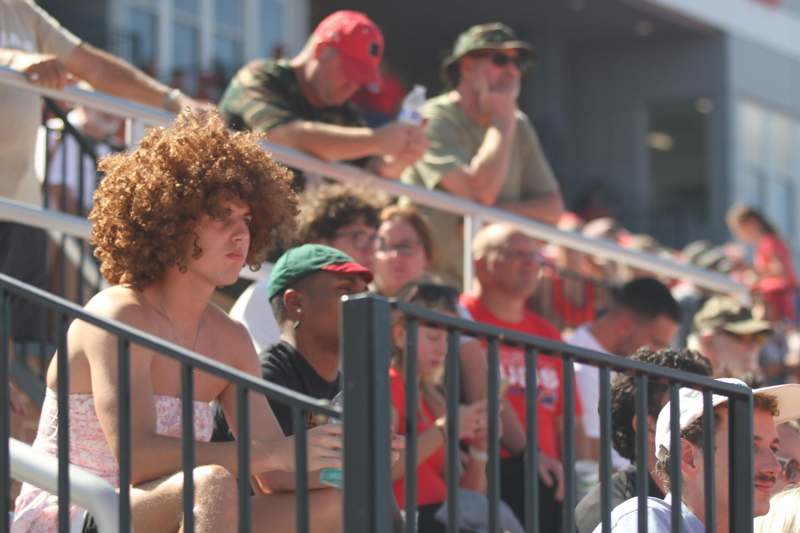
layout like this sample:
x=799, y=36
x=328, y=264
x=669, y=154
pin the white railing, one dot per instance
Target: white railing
x=474, y=215
x=86, y=490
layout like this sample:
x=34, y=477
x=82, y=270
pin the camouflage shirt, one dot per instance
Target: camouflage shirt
x=265, y=94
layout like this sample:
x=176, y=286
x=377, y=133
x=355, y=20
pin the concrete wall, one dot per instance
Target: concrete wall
x=610, y=89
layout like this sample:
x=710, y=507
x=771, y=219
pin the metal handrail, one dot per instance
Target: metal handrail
x=472, y=212
x=66, y=224
x=87, y=490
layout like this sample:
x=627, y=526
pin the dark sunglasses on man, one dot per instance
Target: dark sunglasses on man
x=522, y=61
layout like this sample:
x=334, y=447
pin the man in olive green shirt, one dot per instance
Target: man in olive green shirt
x=482, y=147
x=304, y=103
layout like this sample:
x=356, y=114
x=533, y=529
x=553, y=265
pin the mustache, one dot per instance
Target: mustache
x=766, y=478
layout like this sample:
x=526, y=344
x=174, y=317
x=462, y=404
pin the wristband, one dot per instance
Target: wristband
x=171, y=100
x=441, y=424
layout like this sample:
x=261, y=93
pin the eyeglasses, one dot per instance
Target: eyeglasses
x=501, y=60
x=359, y=238
x=403, y=248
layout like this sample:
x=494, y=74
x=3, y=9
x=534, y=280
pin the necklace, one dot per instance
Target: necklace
x=162, y=310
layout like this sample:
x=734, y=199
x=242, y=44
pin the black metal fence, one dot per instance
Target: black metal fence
x=190, y=362
x=365, y=343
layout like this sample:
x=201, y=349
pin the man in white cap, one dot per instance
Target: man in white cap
x=771, y=406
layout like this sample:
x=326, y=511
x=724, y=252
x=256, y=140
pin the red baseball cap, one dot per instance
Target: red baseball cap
x=359, y=42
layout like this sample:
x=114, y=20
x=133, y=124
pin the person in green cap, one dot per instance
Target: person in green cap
x=730, y=337
x=482, y=147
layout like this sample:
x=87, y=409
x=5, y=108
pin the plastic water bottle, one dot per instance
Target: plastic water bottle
x=411, y=110
x=333, y=476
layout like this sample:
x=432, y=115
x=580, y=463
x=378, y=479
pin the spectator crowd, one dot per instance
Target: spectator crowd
x=182, y=212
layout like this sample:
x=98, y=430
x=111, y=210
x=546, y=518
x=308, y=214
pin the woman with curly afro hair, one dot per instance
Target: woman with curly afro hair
x=172, y=220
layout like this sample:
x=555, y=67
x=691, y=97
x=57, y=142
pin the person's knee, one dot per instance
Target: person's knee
x=215, y=483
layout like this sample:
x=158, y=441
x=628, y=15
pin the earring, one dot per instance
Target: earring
x=296, y=324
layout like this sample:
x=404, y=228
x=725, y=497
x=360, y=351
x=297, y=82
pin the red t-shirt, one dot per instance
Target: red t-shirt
x=769, y=249
x=512, y=369
x=572, y=314
x=431, y=486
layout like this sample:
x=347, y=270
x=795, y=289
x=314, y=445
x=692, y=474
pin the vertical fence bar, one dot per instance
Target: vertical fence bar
x=675, y=481
x=605, y=448
x=708, y=461
x=124, y=421
x=452, y=379
x=642, y=451
x=410, y=423
x=300, y=469
x=243, y=456
x=472, y=223
x=740, y=477
x=493, y=410
x=187, y=423
x=568, y=373
x=364, y=342
x=63, y=427
x=531, y=452
x=5, y=409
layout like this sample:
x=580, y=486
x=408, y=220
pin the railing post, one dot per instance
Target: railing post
x=472, y=223
x=740, y=450
x=5, y=410
x=364, y=342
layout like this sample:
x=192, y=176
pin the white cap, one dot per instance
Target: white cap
x=691, y=408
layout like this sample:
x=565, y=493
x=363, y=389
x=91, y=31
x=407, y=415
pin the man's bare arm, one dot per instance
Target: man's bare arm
x=546, y=208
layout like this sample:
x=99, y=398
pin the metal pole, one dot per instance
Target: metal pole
x=364, y=342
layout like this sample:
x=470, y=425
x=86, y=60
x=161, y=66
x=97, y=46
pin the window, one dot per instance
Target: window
x=271, y=42
x=768, y=144
x=143, y=39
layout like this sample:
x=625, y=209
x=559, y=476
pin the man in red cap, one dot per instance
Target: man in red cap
x=304, y=103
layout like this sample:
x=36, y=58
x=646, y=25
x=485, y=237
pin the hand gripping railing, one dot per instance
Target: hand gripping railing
x=473, y=214
x=366, y=348
x=190, y=362
x=86, y=490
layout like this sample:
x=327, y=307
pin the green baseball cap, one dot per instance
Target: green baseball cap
x=725, y=313
x=299, y=262
x=492, y=36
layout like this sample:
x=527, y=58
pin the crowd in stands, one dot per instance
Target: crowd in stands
x=181, y=213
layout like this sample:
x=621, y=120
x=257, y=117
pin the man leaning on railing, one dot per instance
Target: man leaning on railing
x=482, y=147
x=771, y=406
x=173, y=220
x=304, y=103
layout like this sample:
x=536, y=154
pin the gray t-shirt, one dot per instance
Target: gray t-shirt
x=25, y=26
x=625, y=517
x=454, y=140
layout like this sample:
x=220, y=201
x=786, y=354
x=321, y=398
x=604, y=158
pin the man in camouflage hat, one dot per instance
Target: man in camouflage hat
x=304, y=103
x=730, y=337
x=482, y=147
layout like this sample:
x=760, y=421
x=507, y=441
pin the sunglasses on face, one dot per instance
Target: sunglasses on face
x=753, y=338
x=429, y=295
x=501, y=60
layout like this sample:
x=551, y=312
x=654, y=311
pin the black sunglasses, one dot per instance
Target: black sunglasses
x=429, y=294
x=499, y=59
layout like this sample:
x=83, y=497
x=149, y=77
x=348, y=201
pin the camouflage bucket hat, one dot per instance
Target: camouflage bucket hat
x=493, y=36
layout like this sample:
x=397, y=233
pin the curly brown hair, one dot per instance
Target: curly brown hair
x=623, y=393
x=150, y=200
x=330, y=207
